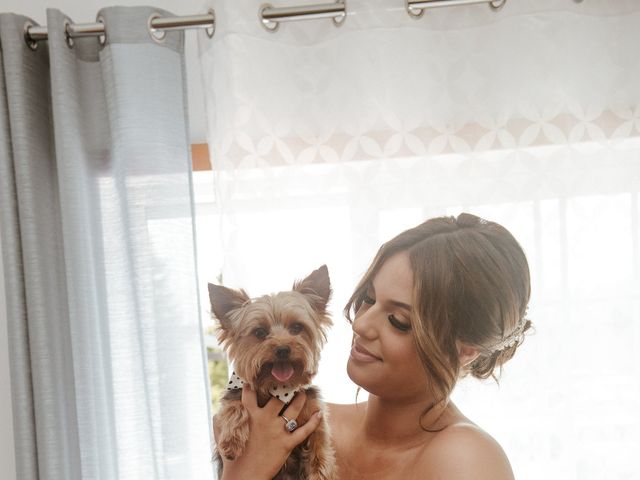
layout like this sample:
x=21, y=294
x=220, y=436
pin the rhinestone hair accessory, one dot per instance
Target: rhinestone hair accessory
x=514, y=337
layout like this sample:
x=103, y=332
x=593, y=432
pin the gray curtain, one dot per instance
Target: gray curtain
x=108, y=376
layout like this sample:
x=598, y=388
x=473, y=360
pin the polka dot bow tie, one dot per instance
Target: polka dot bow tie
x=283, y=393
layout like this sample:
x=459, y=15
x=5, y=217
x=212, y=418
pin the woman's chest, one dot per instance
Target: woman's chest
x=358, y=462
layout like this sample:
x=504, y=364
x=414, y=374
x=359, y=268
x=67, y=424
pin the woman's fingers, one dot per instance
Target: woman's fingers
x=301, y=433
x=274, y=406
x=295, y=407
x=269, y=444
x=291, y=412
x=249, y=398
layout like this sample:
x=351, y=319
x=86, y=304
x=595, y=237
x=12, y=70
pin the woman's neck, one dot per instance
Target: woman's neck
x=402, y=422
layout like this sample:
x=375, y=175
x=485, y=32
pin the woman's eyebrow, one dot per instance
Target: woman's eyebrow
x=400, y=304
x=395, y=303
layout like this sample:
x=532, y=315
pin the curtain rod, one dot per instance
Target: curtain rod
x=271, y=16
x=36, y=33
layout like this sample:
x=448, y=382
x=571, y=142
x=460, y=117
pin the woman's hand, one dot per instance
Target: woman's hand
x=269, y=443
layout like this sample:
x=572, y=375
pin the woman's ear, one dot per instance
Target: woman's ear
x=466, y=353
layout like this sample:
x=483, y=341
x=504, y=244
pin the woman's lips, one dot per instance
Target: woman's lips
x=361, y=354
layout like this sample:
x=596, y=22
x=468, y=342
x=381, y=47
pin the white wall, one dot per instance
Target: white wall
x=7, y=446
x=84, y=11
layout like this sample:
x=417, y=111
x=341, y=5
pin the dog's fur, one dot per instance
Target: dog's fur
x=252, y=331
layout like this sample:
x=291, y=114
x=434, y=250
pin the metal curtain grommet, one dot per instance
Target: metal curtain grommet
x=339, y=20
x=267, y=24
x=31, y=43
x=412, y=11
x=102, y=38
x=67, y=36
x=212, y=29
x=497, y=4
x=157, y=35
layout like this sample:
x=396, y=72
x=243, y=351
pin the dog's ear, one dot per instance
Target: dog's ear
x=224, y=300
x=316, y=287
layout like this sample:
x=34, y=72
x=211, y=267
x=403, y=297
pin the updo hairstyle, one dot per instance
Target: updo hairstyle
x=471, y=284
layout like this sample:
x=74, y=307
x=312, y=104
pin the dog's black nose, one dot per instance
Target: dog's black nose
x=283, y=352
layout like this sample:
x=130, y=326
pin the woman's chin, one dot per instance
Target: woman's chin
x=352, y=371
x=357, y=375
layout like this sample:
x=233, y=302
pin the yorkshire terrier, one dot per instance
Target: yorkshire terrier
x=274, y=342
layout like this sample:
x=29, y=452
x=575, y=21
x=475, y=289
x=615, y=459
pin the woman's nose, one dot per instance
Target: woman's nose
x=364, y=325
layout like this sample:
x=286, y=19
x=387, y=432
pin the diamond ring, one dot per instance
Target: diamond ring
x=289, y=425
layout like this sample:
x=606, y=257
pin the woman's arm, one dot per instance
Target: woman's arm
x=269, y=444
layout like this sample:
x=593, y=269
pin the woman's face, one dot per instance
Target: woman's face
x=383, y=359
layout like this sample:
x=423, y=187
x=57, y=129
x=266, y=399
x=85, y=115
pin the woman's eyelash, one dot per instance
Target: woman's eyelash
x=367, y=299
x=403, y=327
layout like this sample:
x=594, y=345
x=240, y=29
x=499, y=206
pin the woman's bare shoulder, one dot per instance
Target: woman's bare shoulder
x=463, y=451
x=344, y=415
x=346, y=411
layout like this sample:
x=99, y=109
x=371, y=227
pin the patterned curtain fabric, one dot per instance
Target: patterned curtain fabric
x=105, y=351
x=326, y=141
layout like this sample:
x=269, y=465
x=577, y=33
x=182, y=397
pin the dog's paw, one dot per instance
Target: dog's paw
x=231, y=448
x=233, y=429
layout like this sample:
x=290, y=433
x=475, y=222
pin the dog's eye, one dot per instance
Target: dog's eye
x=296, y=328
x=260, y=332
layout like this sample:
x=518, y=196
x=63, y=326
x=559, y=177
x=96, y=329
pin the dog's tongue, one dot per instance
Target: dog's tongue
x=282, y=371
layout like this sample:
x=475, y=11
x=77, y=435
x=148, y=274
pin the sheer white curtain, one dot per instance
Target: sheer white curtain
x=327, y=141
x=104, y=341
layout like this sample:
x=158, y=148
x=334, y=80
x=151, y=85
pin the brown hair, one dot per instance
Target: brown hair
x=471, y=283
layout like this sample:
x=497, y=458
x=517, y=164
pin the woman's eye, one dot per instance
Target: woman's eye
x=367, y=299
x=403, y=327
x=260, y=332
x=296, y=328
